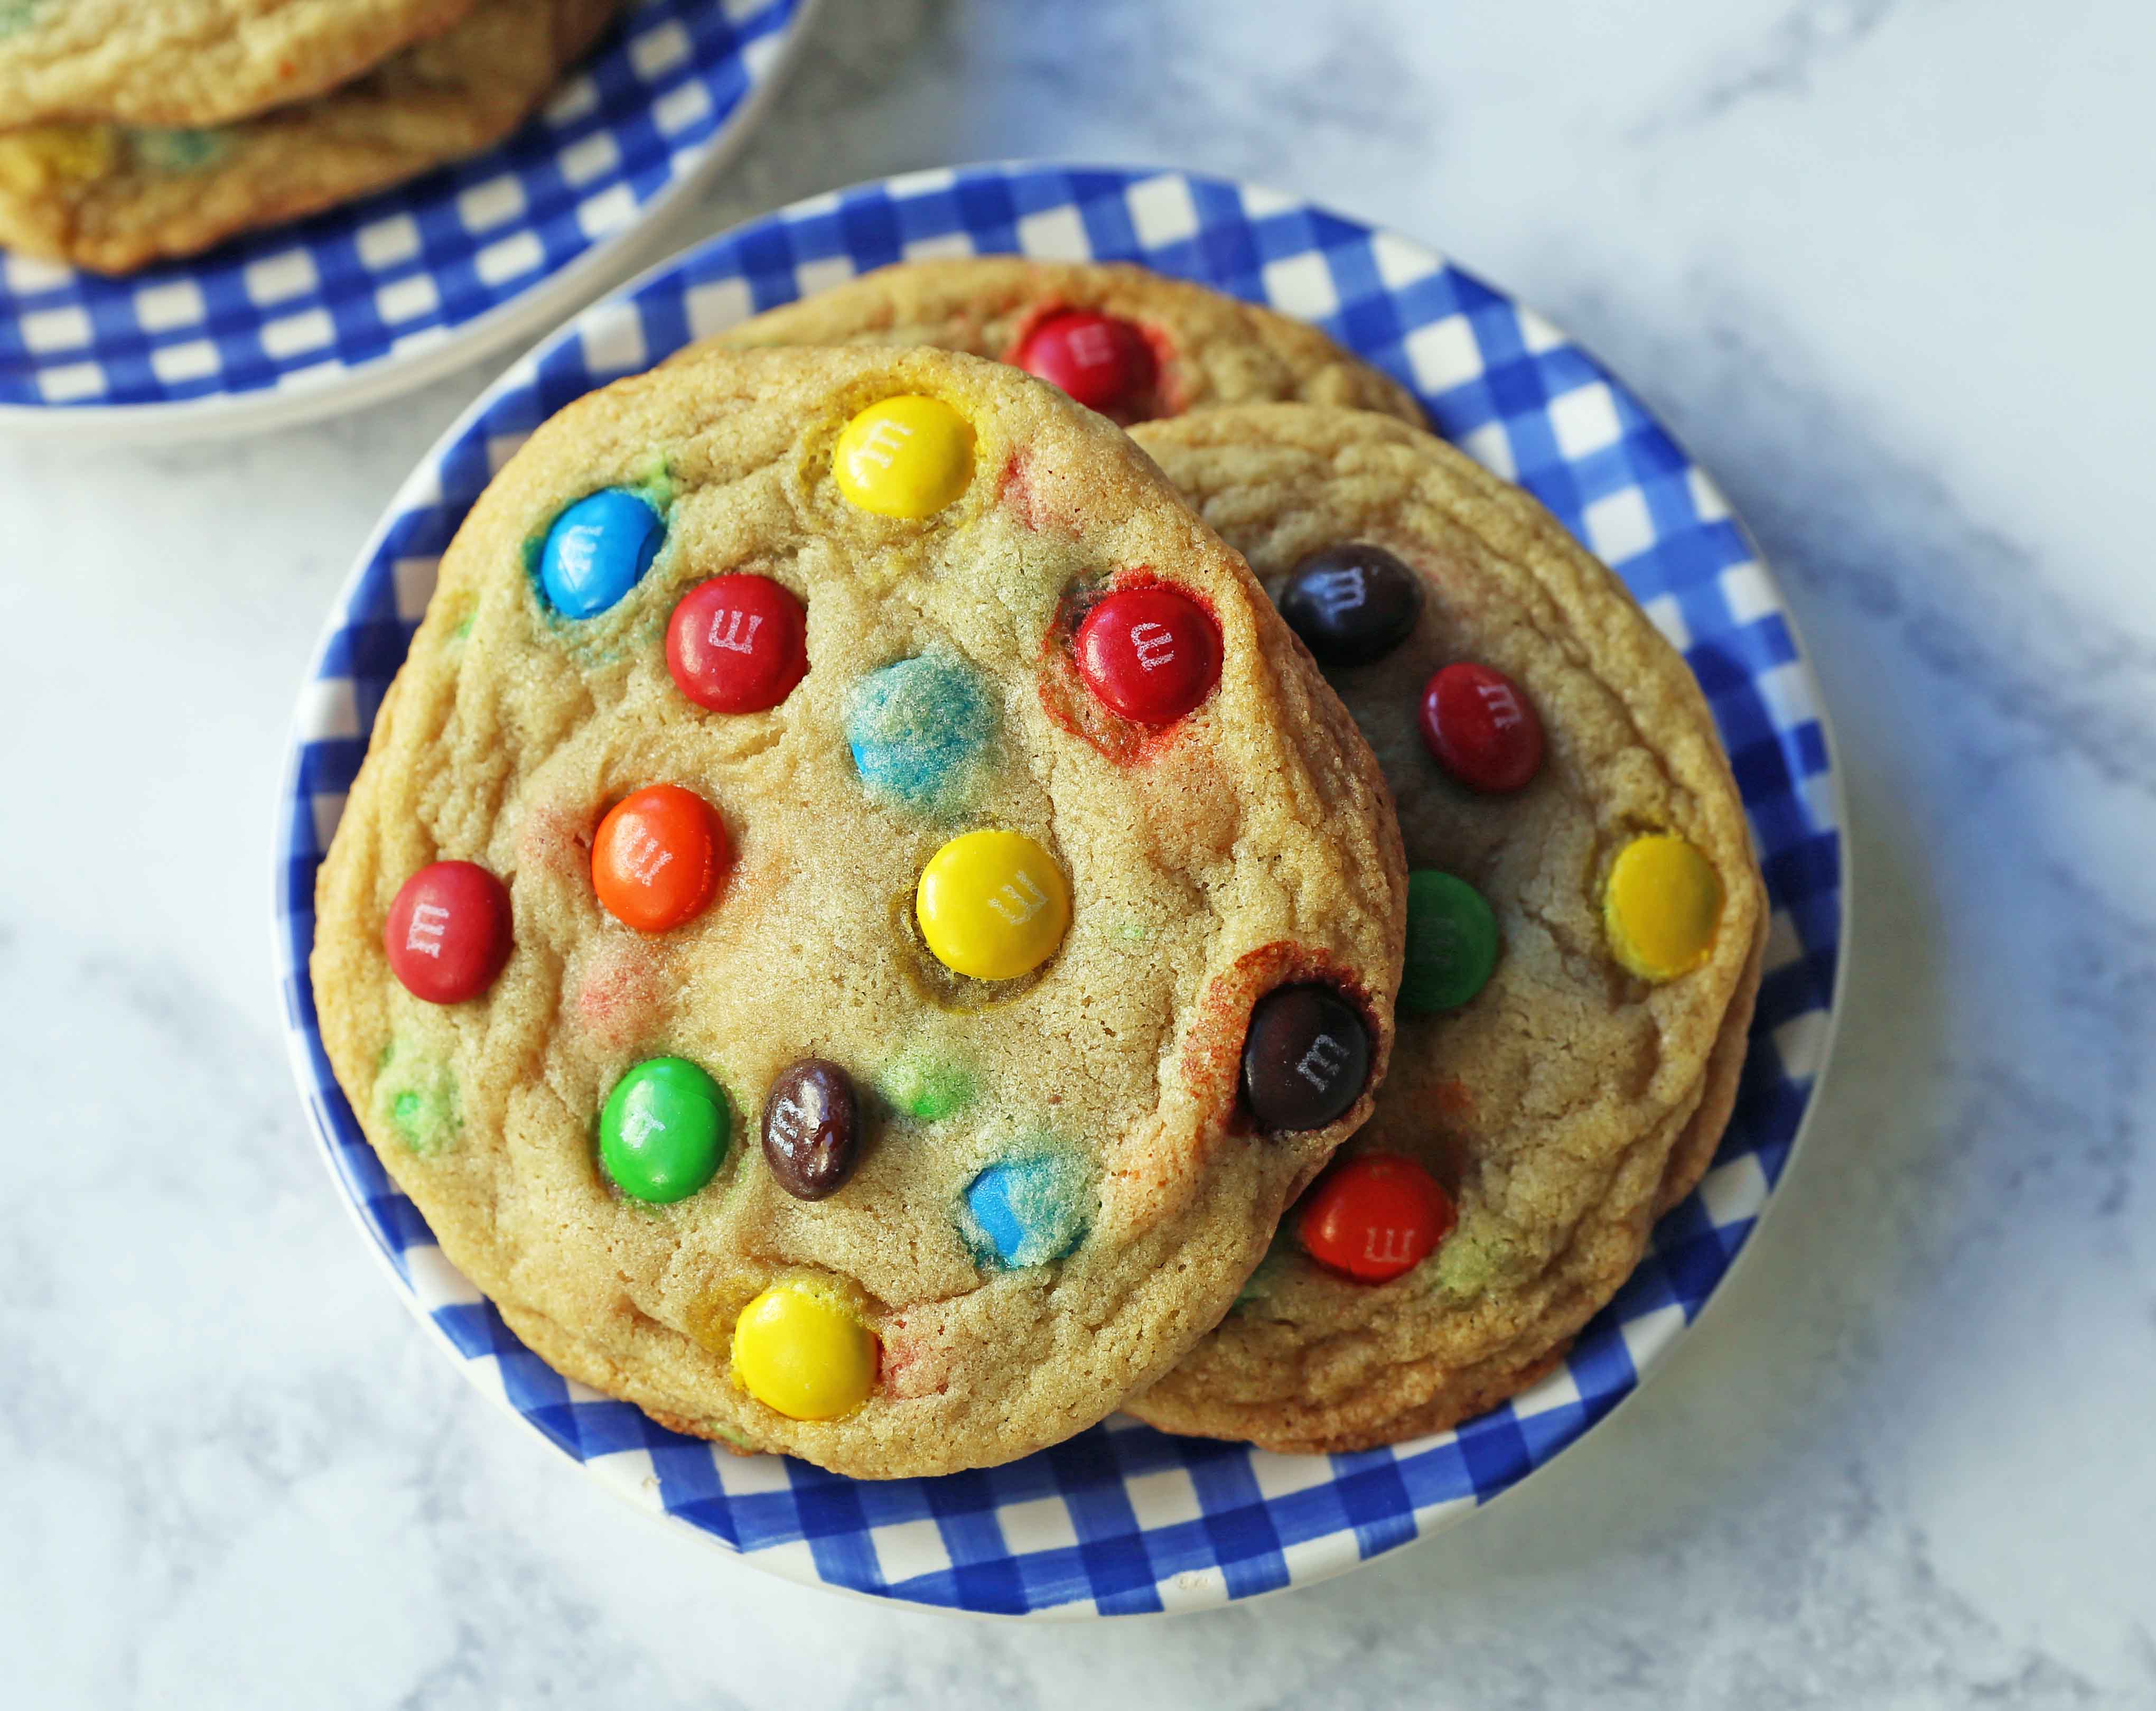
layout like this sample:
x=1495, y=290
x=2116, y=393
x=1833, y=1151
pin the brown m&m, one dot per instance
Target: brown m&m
x=1305, y=1058
x=1351, y=604
x=811, y=1128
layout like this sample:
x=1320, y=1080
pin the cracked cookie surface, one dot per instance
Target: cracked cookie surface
x=1568, y=1102
x=1059, y=1185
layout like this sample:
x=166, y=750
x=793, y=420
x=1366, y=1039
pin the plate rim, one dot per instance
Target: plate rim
x=1318, y=1560
x=547, y=301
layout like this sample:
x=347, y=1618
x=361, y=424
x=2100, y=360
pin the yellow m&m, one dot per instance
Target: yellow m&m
x=1662, y=907
x=905, y=457
x=799, y=1347
x=49, y=156
x=993, y=905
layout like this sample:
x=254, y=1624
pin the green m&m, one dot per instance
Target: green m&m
x=1452, y=943
x=664, y=1131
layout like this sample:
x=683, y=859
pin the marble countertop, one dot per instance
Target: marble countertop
x=1884, y=264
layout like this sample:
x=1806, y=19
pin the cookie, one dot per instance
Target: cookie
x=1586, y=923
x=188, y=63
x=797, y=930
x=116, y=198
x=1132, y=344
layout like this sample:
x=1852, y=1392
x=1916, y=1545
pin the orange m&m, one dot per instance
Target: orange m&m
x=1374, y=1218
x=656, y=861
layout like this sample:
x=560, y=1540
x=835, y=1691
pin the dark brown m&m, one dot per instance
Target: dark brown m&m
x=1102, y=361
x=1481, y=728
x=1305, y=1059
x=811, y=1128
x=448, y=933
x=1350, y=604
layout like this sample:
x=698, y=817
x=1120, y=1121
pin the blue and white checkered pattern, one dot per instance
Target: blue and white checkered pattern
x=299, y=308
x=1123, y=1518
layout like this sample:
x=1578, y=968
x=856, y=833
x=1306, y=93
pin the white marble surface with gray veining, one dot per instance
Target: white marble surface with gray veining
x=1885, y=266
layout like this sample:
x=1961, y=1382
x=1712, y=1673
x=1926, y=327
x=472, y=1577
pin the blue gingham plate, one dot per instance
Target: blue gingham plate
x=1123, y=1518
x=385, y=293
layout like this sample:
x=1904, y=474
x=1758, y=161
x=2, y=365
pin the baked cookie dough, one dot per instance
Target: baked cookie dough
x=193, y=62
x=856, y=917
x=1586, y=925
x=1132, y=344
x=115, y=197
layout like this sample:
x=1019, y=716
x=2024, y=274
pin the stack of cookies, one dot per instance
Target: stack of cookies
x=1013, y=841
x=130, y=132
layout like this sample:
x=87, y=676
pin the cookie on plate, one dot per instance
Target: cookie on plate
x=1586, y=922
x=856, y=917
x=194, y=61
x=116, y=198
x=1132, y=344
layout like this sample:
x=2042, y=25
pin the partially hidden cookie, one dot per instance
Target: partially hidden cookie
x=1130, y=343
x=116, y=198
x=798, y=930
x=194, y=61
x=1586, y=922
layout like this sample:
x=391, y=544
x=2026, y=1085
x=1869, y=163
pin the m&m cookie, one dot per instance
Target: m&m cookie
x=95, y=183
x=830, y=931
x=1585, y=921
x=197, y=65
x=1132, y=344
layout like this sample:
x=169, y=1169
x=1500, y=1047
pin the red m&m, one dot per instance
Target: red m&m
x=447, y=933
x=1150, y=654
x=1374, y=1218
x=1100, y=360
x=656, y=859
x=738, y=644
x=1482, y=728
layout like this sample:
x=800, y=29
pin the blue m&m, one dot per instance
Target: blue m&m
x=1028, y=1211
x=915, y=727
x=596, y=550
